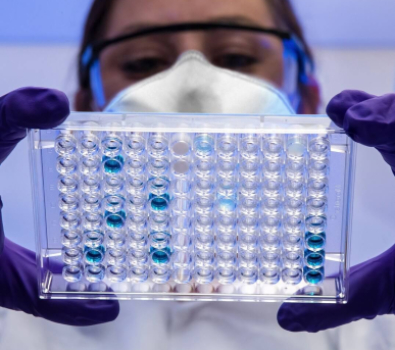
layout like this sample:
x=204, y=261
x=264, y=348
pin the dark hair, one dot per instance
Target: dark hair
x=96, y=22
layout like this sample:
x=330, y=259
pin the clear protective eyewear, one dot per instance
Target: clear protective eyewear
x=270, y=54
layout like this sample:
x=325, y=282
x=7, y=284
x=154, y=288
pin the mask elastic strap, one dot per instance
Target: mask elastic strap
x=97, y=85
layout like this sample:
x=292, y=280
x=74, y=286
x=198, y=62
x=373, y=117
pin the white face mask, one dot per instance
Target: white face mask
x=194, y=85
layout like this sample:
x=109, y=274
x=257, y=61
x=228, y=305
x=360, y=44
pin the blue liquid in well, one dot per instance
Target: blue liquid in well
x=315, y=241
x=113, y=165
x=226, y=204
x=94, y=256
x=159, y=202
x=160, y=257
x=115, y=220
x=314, y=276
x=315, y=259
x=204, y=144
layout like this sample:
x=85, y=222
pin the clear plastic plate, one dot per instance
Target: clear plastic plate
x=193, y=207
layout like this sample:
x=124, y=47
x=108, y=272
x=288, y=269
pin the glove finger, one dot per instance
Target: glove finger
x=372, y=122
x=371, y=293
x=29, y=108
x=1, y=229
x=19, y=291
x=338, y=105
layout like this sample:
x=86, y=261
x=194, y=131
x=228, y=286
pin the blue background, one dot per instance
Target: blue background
x=350, y=23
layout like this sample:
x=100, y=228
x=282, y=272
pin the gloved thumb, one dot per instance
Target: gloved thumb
x=371, y=293
x=339, y=105
x=367, y=119
x=29, y=108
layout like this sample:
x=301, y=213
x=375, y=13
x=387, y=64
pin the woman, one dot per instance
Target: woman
x=128, y=61
x=171, y=325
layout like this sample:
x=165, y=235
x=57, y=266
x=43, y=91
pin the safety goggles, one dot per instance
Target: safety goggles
x=111, y=65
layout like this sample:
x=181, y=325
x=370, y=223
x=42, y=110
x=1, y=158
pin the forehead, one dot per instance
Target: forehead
x=126, y=14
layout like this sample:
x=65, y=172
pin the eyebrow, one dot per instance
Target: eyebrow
x=220, y=20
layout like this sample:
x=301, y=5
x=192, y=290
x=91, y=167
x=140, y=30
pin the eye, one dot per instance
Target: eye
x=140, y=68
x=235, y=61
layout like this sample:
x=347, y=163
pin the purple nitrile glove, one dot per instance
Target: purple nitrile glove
x=368, y=120
x=37, y=108
x=372, y=293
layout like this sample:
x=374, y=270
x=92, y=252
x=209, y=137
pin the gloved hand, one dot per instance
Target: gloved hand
x=372, y=293
x=368, y=120
x=37, y=108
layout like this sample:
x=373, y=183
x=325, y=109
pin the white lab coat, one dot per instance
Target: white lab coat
x=147, y=325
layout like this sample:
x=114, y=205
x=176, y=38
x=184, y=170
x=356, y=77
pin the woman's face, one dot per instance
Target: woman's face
x=130, y=61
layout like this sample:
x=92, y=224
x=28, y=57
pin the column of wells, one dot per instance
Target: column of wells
x=154, y=215
x=270, y=226
x=316, y=209
x=248, y=208
x=136, y=206
x=204, y=196
x=294, y=208
x=225, y=208
x=69, y=202
x=181, y=178
x=111, y=233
